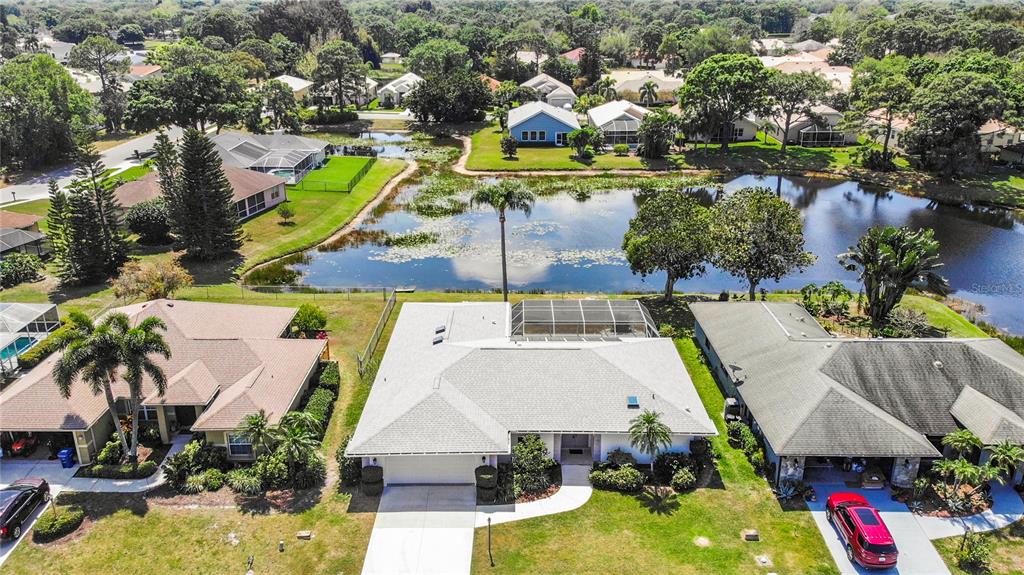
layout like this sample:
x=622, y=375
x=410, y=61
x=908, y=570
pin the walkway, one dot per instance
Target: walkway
x=1007, y=508
x=575, y=491
x=128, y=485
x=425, y=529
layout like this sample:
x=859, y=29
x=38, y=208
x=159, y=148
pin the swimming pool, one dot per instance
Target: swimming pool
x=16, y=347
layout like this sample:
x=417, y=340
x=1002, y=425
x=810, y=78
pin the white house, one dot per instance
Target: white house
x=820, y=128
x=300, y=86
x=541, y=123
x=390, y=58
x=618, y=121
x=552, y=91
x=666, y=86
x=395, y=90
x=460, y=383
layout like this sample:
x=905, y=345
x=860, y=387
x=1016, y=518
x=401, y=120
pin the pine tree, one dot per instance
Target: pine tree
x=199, y=199
x=59, y=233
x=112, y=242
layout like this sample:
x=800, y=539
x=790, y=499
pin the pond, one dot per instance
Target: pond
x=572, y=245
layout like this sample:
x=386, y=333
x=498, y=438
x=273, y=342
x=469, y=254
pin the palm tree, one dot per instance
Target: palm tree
x=1006, y=456
x=649, y=435
x=961, y=441
x=257, y=428
x=649, y=92
x=296, y=437
x=605, y=87
x=503, y=196
x=96, y=352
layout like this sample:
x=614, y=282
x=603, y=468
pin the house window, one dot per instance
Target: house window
x=542, y=136
x=147, y=413
x=275, y=193
x=240, y=209
x=524, y=136
x=737, y=133
x=256, y=203
x=239, y=445
x=560, y=138
x=533, y=135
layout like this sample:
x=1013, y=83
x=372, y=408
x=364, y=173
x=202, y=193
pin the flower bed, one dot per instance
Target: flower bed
x=57, y=522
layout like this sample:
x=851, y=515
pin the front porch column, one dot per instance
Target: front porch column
x=162, y=425
x=556, y=452
x=82, y=447
x=904, y=471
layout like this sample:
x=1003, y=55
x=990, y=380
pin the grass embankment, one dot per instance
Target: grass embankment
x=487, y=155
x=1007, y=551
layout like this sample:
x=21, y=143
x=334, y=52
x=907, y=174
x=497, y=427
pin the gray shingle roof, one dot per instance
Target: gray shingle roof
x=468, y=393
x=812, y=394
x=989, y=420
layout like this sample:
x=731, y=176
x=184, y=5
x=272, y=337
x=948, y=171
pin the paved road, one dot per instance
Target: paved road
x=122, y=154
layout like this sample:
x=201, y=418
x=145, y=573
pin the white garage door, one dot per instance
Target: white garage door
x=430, y=469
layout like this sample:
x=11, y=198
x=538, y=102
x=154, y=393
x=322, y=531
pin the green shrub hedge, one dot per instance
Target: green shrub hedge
x=43, y=349
x=244, y=481
x=140, y=471
x=56, y=523
x=312, y=473
x=627, y=479
x=683, y=480
x=330, y=377
x=531, y=465
x=196, y=457
x=320, y=405
x=350, y=468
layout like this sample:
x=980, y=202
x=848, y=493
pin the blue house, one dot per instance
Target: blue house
x=541, y=123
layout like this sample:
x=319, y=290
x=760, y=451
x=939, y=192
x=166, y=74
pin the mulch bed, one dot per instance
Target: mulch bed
x=933, y=505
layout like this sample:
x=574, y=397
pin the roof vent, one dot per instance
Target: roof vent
x=439, y=329
x=937, y=364
x=438, y=339
x=632, y=402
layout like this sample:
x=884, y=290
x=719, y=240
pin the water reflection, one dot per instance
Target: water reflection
x=571, y=245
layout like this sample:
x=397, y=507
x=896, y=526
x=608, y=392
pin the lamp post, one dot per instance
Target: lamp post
x=489, y=554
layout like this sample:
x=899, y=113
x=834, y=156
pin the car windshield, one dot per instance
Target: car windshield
x=867, y=517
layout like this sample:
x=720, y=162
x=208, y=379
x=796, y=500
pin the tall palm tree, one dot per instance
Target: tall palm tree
x=504, y=196
x=97, y=352
x=296, y=437
x=649, y=92
x=259, y=431
x=648, y=434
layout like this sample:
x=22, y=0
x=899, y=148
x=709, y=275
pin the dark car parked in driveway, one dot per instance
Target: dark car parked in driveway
x=868, y=541
x=17, y=503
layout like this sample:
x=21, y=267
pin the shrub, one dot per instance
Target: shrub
x=348, y=467
x=683, y=480
x=742, y=437
x=667, y=464
x=243, y=481
x=309, y=318
x=196, y=457
x=194, y=484
x=506, y=486
x=150, y=220
x=330, y=377
x=111, y=453
x=57, y=522
x=43, y=349
x=902, y=323
x=617, y=458
x=621, y=149
x=975, y=553
x=272, y=470
x=16, y=268
x=312, y=472
x=758, y=461
x=531, y=465
x=329, y=115
x=140, y=471
x=626, y=479
x=320, y=405
x=703, y=453
x=509, y=146
x=213, y=479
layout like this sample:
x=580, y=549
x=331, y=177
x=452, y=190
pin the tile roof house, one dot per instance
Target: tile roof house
x=817, y=400
x=18, y=220
x=541, y=123
x=667, y=86
x=227, y=361
x=552, y=91
x=252, y=192
x=459, y=383
x=286, y=155
x=574, y=55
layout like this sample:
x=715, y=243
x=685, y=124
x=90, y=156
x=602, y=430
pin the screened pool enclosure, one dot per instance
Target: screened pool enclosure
x=581, y=319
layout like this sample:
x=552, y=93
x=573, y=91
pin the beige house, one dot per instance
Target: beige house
x=300, y=87
x=820, y=128
x=552, y=91
x=253, y=192
x=227, y=361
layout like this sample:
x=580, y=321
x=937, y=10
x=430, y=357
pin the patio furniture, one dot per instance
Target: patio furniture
x=872, y=478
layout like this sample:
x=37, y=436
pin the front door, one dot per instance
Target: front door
x=575, y=441
x=185, y=415
x=559, y=138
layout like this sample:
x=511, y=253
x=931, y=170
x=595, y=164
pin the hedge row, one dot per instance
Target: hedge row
x=330, y=377
x=140, y=471
x=42, y=350
x=320, y=405
x=56, y=523
x=627, y=479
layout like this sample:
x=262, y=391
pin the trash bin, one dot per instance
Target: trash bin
x=67, y=457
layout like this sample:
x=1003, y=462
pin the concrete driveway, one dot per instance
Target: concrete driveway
x=423, y=529
x=14, y=469
x=917, y=554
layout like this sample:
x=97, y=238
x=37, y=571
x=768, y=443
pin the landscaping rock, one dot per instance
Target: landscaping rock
x=702, y=542
x=233, y=539
x=307, y=535
x=751, y=535
x=763, y=560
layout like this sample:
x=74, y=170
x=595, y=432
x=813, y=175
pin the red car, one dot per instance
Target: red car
x=868, y=541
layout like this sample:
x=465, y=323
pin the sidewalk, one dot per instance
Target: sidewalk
x=574, y=492
x=1007, y=508
x=127, y=485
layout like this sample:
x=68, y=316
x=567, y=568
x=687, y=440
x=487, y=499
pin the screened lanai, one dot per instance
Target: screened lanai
x=291, y=165
x=577, y=319
x=621, y=131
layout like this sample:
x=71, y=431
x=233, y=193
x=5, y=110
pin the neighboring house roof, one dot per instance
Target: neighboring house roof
x=899, y=122
x=492, y=84
x=13, y=238
x=546, y=85
x=574, y=55
x=218, y=353
x=143, y=70
x=840, y=76
x=994, y=127
x=469, y=392
x=9, y=219
x=294, y=82
x=250, y=150
x=813, y=394
x=617, y=115
x=530, y=57
x=15, y=317
x=664, y=84
x=402, y=84
x=808, y=46
x=390, y=55
x=990, y=421
x=523, y=113
x=244, y=183
x=626, y=74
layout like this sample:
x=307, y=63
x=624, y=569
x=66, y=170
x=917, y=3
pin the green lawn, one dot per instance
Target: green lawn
x=487, y=155
x=317, y=214
x=616, y=533
x=335, y=176
x=761, y=155
x=1007, y=551
x=940, y=316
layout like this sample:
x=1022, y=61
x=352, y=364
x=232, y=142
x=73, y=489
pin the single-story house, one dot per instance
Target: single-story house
x=818, y=401
x=285, y=155
x=541, y=123
x=327, y=95
x=768, y=46
x=574, y=55
x=143, y=71
x=667, y=86
x=395, y=90
x=22, y=325
x=252, y=192
x=814, y=61
x=227, y=361
x=492, y=83
x=618, y=121
x=552, y=91
x=390, y=58
x=996, y=134
x=531, y=57
x=24, y=241
x=818, y=129
x=20, y=221
x=60, y=50
x=300, y=87
x=460, y=383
